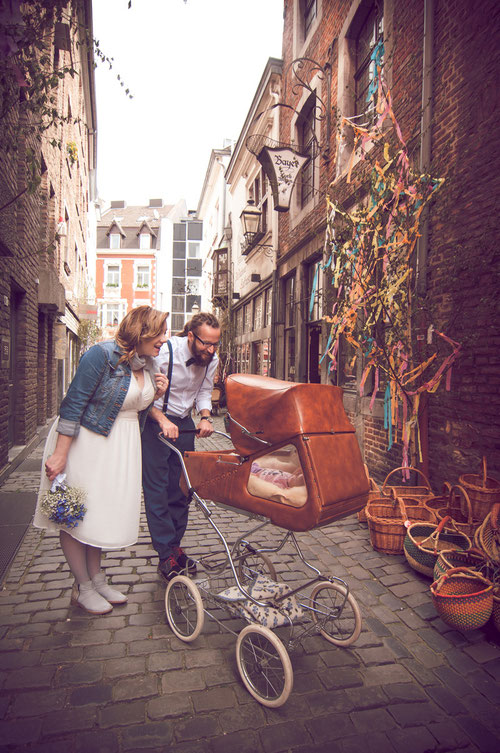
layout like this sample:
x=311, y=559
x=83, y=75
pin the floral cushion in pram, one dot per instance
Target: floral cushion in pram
x=263, y=588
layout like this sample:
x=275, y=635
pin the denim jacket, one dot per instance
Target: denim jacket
x=97, y=391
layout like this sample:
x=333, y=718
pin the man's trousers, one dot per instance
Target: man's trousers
x=166, y=505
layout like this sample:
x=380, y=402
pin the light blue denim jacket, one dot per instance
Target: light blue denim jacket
x=97, y=391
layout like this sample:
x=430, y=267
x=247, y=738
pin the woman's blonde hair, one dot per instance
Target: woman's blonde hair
x=142, y=323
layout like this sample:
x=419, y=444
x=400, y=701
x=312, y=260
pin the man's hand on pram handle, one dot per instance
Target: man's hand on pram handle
x=205, y=426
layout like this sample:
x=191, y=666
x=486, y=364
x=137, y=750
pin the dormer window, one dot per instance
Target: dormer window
x=144, y=240
x=114, y=240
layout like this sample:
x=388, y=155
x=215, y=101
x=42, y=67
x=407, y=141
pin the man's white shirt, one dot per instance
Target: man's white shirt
x=189, y=385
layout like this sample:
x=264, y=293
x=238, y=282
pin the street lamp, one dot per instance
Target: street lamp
x=250, y=220
x=195, y=309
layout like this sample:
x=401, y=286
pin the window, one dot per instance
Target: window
x=113, y=275
x=310, y=11
x=193, y=286
x=315, y=282
x=266, y=357
x=177, y=322
x=306, y=131
x=289, y=291
x=239, y=321
x=145, y=240
x=267, y=307
x=114, y=240
x=111, y=314
x=193, y=250
x=178, y=303
x=143, y=273
x=257, y=313
x=247, y=318
x=370, y=32
x=179, y=250
x=195, y=231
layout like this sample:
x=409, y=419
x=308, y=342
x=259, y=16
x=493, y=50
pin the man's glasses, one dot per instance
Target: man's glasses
x=205, y=343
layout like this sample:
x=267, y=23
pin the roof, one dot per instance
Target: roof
x=135, y=216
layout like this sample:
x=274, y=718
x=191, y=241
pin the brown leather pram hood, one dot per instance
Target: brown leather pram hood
x=275, y=410
x=311, y=417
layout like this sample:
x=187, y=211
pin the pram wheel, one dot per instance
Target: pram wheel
x=338, y=618
x=253, y=564
x=184, y=608
x=264, y=665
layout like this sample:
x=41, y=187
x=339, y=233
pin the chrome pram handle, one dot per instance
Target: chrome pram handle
x=249, y=433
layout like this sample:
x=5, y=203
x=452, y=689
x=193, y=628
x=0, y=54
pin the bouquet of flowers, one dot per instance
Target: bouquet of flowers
x=63, y=504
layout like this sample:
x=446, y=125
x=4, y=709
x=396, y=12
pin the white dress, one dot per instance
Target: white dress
x=109, y=470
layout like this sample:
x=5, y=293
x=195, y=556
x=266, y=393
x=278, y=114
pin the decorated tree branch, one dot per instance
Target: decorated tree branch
x=371, y=251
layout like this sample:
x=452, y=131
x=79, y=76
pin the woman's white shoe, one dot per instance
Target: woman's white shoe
x=85, y=595
x=110, y=594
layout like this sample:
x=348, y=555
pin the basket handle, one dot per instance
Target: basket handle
x=406, y=468
x=495, y=514
x=464, y=494
x=437, y=531
x=485, y=471
x=402, y=508
x=465, y=571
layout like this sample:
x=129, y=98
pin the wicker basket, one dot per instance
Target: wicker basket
x=463, y=600
x=456, y=503
x=388, y=519
x=385, y=523
x=487, y=536
x=424, y=542
x=483, y=492
x=473, y=559
x=418, y=492
x=435, y=503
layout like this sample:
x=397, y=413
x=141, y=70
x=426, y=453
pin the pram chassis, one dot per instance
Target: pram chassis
x=262, y=657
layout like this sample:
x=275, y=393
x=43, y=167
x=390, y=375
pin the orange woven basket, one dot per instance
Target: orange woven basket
x=463, y=600
x=483, y=491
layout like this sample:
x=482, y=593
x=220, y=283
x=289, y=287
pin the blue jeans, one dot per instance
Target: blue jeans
x=166, y=506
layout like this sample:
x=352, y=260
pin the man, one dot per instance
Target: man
x=194, y=363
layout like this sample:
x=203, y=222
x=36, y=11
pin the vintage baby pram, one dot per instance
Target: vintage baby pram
x=295, y=464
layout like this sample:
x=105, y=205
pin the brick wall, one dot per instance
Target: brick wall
x=463, y=264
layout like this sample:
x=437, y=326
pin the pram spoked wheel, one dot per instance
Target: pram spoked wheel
x=184, y=608
x=338, y=618
x=264, y=665
x=253, y=564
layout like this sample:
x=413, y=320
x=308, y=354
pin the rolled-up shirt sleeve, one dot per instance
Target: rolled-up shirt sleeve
x=81, y=389
x=204, y=396
x=160, y=364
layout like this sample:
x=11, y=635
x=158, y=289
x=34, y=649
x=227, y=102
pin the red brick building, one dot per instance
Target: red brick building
x=440, y=60
x=44, y=235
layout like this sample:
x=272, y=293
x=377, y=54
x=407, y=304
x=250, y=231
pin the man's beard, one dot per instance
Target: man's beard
x=201, y=357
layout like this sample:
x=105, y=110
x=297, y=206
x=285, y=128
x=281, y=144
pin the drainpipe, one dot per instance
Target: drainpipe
x=423, y=241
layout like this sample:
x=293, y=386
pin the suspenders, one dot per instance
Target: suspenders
x=169, y=375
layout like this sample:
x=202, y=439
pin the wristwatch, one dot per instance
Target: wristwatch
x=207, y=418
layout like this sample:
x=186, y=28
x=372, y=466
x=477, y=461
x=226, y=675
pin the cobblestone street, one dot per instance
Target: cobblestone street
x=124, y=682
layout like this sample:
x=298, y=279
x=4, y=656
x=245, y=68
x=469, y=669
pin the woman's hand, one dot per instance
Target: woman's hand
x=161, y=385
x=169, y=429
x=55, y=464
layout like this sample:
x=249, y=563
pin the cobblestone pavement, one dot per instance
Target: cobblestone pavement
x=124, y=682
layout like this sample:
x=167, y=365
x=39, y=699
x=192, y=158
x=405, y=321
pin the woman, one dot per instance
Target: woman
x=98, y=447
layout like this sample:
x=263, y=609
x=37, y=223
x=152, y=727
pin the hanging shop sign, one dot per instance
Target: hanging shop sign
x=282, y=167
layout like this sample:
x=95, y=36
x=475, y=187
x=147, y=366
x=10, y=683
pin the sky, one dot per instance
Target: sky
x=193, y=67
